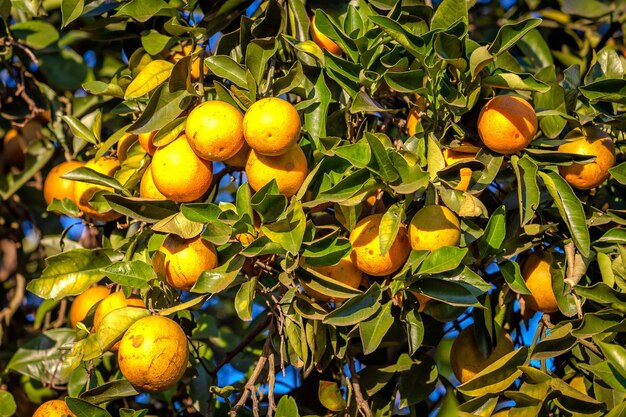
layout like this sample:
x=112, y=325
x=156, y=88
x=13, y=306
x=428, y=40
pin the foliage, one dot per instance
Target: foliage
x=100, y=69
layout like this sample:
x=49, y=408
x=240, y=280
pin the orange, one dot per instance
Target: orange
x=14, y=146
x=113, y=302
x=147, y=189
x=240, y=158
x=125, y=142
x=153, y=353
x=451, y=157
x=422, y=300
x=467, y=360
x=145, y=140
x=507, y=124
x=53, y=408
x=434, y=227
x=271, y=126
x=289, y=170
x=214, y=130
x=412, y=120
x=366, y=254
x=179, y=53
x=85, y=301
x=344, y=272
x=179, y=174
x=322, y=40
x=56, y=187
x=594, y=142
x=372, y=199
x=83, y=191
x=182, y=261
x=536, y=273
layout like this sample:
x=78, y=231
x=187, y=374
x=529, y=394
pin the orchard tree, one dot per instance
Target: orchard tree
x=312, y=208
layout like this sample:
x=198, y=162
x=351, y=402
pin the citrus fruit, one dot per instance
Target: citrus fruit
x=466, y=358
x=366, y=254
x=179, y=174
x=113, y=302
x=56, y=187
x=153, y=353
x=85, y=301
x=126, y=141
x=181, y=52
x=240, y=158
x=412, y=120
x=507, y=124
x=14, y=146
x=372, y=200
x=145, y=140
x=422, y=300
x=344, y=271
x=147, y=189
x=182, y=261
x=271, y=126
x=289, y=170
x=536, y=273
x=84, y=191
x=434, y=227
x=53, y=408
x=214, y=130
x=593, y=142
x=322, y=40
x=452, y=157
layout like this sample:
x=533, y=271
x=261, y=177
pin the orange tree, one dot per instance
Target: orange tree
x=286, y=220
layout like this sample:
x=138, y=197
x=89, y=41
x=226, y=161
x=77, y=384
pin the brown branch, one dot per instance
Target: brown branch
x=250, y=387
x=571, y=279
x=8, y=312
x=364, y=408
x=271, y=382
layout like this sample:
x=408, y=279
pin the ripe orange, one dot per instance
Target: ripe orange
x=289, y=170
x=344, y=272
x=434, y=227
x=153, y=353
x=113, y=302
x=147, y=189
x=179, y=174
x=271, y=126
x=507, y=124
x=182, y=261
x=451, y=156
x=412, y=120
x=214, y=130
x=178, y=53
x=53, y=408
x=56, y=187
x=594, y=142
x=366, y=254
x=422, y=300
x=240, y=158
x=322, y=40
x=85, y=301
x=83, y=191
x=145, y=140
x=372, y=199
x=467, y=360
x=14, y=146
x=536, y=273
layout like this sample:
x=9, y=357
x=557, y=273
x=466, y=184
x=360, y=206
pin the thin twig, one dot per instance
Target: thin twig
x=364, y=408
x=250, y=387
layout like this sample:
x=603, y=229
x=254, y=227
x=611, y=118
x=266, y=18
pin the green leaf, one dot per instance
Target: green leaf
x=324, y=285
x=495, y=232
x=570, y=208
x=36, y=34
x=330, y=396
x=149, y=211
x=615, y=355
x=618, y=173
x=150, y=77
x=38, y=155
x=443, y=259
x=287, y=407
x=449, y=12
x=64, y=69
x=387, y=170
x=71, y=10
x=225, y=67
x=357, y=309
x=143, y=10
x=509, y=35
x=496, y=377
x=114, y=325
x=558, y=342
x=511, y=81
x=258, y=53
x=162, y=109
x=589, y=9
x=603, y=294
x=7, y=404
x=374, y=329
x=90, y=176
x=389, y=227
x=84, y=409
x=220, y=278
x=316, y=114
x=268, y=202
x=527, y=190
x=109, y=391
x=288, y=230
x=80, y=130
x=244, y=299
x=513, y=277
x=611, y=90
x=133, y=274
x=70, y=273
x=414, y=329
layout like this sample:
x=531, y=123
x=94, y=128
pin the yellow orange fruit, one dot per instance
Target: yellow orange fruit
x=179, y=53
x=214, y=130
x=83, y=191
x=466, y=358
x=451, y=157
x=592, y=142
x=145, y=140
x=366, y=254
x=56, y=187
x=53, y=408
x=507, y=124
x=14, y=146
x=344, y=271
x=412, y=120
x=182, y=261
x=179, y=173
x=271, y=126
x=434, y=227
x=322, y=40
x=289, y=170
x=536, y=273
x=372, y=200
x=422, y=300
x=147, y=189
x=111, y=303
x=85, y=301
x=153, y=353
x=125, y=142
x=240, y=158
